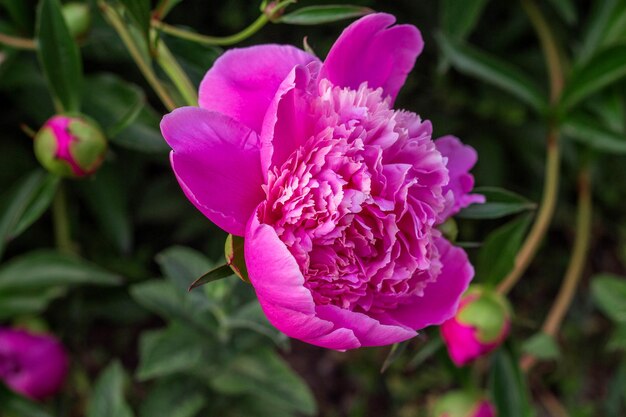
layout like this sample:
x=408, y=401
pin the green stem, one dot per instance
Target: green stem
x=61, y=222
x=144, y=66
x=170, y=66
x=549, y=47
x=212, y=40
x=576, y=265
x=18, y=43
x=261, y=21
x=544, y=216
x=553, y=159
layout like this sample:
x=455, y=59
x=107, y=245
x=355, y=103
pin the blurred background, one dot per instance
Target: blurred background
x=139, y=344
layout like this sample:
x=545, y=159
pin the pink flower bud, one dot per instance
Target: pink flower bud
x=34, y=365
x=70, y=146
x=480, y=325
x=463, y=404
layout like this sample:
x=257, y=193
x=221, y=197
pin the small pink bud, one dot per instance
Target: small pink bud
x=34, y=365
x=463, y=404
x=480, y=325
x=70, y=146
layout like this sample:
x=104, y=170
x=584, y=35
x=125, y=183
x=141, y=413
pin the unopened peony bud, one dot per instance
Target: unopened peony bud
x=481, y=324
x=70, y=146
x=78, y=19
x=463, y=404
x=34, y=365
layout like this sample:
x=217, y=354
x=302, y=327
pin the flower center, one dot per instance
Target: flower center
x=357, y=202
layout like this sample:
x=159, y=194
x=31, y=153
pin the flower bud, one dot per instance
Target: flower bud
x=480, y=325
x=463, y=404
x=77, y=16
x=70, y=146
x=34, y=365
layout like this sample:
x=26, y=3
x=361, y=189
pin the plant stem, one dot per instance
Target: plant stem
x=544, y=216
x=144, y=66
x=553, y=158
x=549, y=47
x=575, y=267
x=212, y=40
x=261, y=21
x=18, y=43
x=168, y=63
x=61, y=222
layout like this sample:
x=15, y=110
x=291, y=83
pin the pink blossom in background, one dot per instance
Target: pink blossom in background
x=480, y=325
x=337, y=195
x=34, y=365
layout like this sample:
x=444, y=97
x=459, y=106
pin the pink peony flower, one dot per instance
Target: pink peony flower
x=480, y=325
x=463, y=404
x=337, y=195
x=34, y=365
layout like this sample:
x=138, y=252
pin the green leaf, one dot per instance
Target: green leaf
x=107, y=398
x=174, y=398
x=497, y=255
x=107, y=200
x=500, y=203
x=16, y=304
x=542, y=346
x=609, y=294
x=116, y=105
x=566, y=10
x=425, y=352
x=59, y=55
x=165, y=6
x=617, y=341
x=458, y=18
x=20, y=13
x=141, y=137
x=215, y=274
x=165, y=352
x=397, y=349
x=139, y=10
x=316, y=15
x=24, y=204
x=587, y=131
x=492, y=70
x=45, y=268
x=250, y=316
x=598, y=23
x=600, y=71
x=265, y=375
x=16, y=405
x=507, y=386
x=163, y=298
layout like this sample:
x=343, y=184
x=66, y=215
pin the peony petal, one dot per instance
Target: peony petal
x=279, y=285
x=368, y=330
x=217, y=164
x=441, y=298
x=285, y=123
x=371, y=51
x=461, y=159
x=243, y=82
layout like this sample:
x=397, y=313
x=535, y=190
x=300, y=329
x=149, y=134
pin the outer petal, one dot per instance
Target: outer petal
x=243, y=82
x=461, y=158
x=279, y=285
x=217, y=164
x=461, y=341
x=370, y=51
x=441, y=298
x=368, y=330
